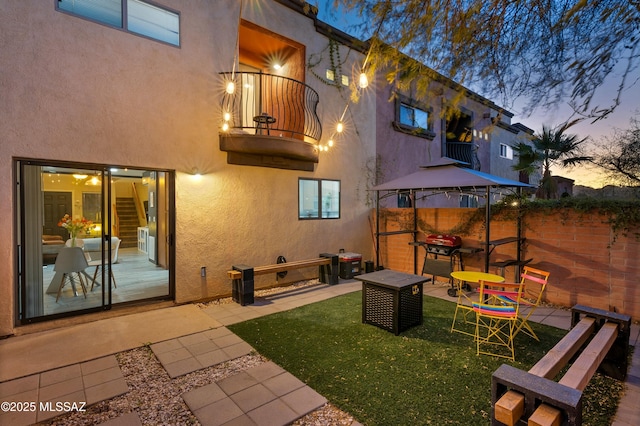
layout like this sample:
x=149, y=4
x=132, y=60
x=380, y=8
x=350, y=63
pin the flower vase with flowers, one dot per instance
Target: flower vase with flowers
x=74, y=226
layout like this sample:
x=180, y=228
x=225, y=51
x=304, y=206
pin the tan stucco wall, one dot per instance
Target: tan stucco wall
x=80, y=91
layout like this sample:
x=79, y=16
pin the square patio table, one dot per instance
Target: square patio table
x=392, y=300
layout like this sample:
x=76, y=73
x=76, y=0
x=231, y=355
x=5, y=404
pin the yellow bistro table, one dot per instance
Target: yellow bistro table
x=465, y=302
x=476, y=277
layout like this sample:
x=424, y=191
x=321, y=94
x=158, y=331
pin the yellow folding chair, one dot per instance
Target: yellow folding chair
x=466, y=297
x=496, y=321
x=534, y=283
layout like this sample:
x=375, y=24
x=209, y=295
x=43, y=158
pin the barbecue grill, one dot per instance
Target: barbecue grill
x=442, y=244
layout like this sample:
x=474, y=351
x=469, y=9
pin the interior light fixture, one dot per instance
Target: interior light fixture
x=95, y=181
x=277, y=66
x=79, y=176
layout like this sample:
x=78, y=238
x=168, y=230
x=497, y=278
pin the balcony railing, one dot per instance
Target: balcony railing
x=464, y=151
x=272, y=105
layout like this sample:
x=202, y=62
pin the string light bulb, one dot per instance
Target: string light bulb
x=227, y=116
x=330, y=143
x=225, y=127
x=340, y=127
x=363, y=82
x=231, y=87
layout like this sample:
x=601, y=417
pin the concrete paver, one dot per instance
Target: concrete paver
x=264, y=395
x=69, y=388
x=196, y=351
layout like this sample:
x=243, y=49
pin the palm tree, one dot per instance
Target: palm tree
x=549, y=148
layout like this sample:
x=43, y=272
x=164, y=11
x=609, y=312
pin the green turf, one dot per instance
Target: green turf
x=425, y=376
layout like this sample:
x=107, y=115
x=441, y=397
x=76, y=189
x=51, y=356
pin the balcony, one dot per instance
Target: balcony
x=270, y=121
x=463, y=151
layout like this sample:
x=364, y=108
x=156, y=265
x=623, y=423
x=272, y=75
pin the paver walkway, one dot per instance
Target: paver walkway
x=53, y=392
x=200, y=350
x=261, y=395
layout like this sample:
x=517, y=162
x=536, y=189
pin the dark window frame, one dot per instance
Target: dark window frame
x=398, y=125
x=124, y=25
x=321, y=211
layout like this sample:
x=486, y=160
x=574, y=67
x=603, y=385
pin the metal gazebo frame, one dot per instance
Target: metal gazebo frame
x=446, y=175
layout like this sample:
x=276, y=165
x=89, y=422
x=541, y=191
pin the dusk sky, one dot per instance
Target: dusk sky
x=620, y=119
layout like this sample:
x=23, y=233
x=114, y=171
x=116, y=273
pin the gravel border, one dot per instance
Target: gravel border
x=156, y=398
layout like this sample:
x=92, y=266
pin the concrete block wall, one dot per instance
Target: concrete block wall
x=589, y=264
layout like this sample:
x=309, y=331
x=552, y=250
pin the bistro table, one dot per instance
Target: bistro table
x=264, y=122
x=392, y=300
x=474, y=277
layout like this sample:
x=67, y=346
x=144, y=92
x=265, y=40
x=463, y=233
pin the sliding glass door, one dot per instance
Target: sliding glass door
x=90, y=237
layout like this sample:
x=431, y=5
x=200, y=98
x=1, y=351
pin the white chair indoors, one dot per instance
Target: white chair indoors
x=71, y=261
x=115, y=245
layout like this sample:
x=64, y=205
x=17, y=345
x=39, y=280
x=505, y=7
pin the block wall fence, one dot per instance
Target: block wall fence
x=589, y=264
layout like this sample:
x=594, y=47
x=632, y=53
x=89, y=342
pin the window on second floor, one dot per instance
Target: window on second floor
x=136, y=16
x=413, y=118
x=506, y=151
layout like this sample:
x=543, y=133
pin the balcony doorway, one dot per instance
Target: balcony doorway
x=91, y=237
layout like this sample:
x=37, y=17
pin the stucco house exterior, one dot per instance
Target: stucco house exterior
x=416, y=127
x=130, y=100
x=153, y=144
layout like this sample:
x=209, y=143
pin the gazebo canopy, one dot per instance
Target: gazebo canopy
x=448, y=174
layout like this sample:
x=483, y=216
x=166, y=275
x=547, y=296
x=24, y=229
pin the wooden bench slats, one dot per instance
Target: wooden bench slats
x=534, y=394
x=585, y=366
x=296, y=264
x=281, y=267
x=554, y=360
x=579, y=374
x=510, y=406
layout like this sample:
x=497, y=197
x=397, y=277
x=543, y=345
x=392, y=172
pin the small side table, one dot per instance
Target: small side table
x=392, y=300
x=263, y=122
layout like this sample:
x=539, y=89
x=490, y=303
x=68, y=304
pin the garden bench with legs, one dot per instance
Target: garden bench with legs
x=242, y=275
x=601, y=340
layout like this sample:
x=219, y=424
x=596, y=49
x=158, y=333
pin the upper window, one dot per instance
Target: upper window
x=318, y=199
x=506, y=151
x=413, y=118
x=136, y=16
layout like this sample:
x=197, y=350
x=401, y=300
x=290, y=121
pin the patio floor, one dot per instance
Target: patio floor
x=64, y=367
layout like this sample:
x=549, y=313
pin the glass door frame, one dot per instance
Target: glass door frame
x=106, y=191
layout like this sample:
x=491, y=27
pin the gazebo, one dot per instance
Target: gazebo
x=444, y=175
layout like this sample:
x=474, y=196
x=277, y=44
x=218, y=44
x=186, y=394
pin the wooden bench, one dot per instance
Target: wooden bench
x=242, y=275
x=533, y=398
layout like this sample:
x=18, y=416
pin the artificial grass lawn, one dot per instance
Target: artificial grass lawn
x=426, y=375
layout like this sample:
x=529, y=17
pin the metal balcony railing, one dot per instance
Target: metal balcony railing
x=463, y=151
x=272, y=105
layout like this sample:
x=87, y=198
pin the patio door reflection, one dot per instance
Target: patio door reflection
x=90, y=238
x=56, y=276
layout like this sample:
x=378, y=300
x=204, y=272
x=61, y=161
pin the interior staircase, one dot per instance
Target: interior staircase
x=128, y=219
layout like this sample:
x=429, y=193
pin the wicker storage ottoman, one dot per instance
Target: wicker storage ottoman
x=392, y=300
